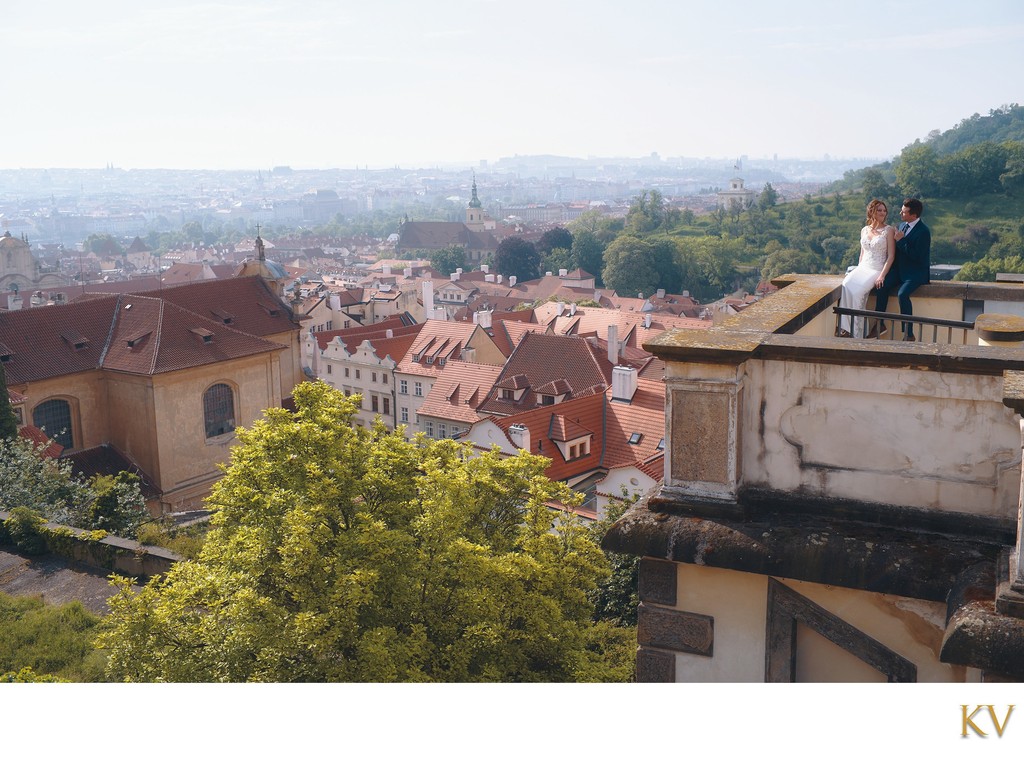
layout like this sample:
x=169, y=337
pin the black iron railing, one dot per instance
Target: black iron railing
x=889, y=326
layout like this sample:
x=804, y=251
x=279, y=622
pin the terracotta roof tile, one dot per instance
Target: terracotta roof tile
x=459, y=390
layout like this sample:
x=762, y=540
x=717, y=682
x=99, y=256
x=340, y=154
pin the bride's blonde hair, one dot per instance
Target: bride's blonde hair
x=871, y=210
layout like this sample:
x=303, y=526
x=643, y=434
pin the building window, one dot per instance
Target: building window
x=404, y=416
x=374, y=404
x=508, y=395
x=357, y=374
x=346, y=371
x=384, y=379
x=403, y=386
x=330, y=369
x=442, y=430
x=387, y=405
x=635, y=439
x=417, y=389
x=546, y=400
x=219, y=410
x=430, y=428
x=54, y=418
x=373, y=377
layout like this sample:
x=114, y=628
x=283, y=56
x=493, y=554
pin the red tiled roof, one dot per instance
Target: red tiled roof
x=256, y=309
x=107, y=460
x=437, y=340
x=43, y=443
x=459, y=390
x=353, y=336
x=542, y=359
x=132, y=333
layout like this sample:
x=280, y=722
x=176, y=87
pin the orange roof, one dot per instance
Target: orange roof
x=459, y=390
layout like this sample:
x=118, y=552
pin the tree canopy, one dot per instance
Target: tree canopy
x=8, y=422
x=347, y=554
x=516, y=257
x=447, y=260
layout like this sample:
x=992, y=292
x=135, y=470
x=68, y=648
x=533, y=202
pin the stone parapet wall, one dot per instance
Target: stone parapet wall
x=116, y=555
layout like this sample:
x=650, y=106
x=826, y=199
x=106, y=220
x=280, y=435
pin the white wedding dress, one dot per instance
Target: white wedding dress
x=858, y=283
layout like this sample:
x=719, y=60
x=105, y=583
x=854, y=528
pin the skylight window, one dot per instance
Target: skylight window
x=661, y=445
x=635, y=438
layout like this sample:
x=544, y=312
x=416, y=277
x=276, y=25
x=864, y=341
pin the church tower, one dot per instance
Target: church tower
x=476, y=219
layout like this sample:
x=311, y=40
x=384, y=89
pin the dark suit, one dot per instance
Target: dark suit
x=911, y=268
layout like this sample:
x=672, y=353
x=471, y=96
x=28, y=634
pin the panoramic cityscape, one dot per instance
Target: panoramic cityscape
x=555, y=344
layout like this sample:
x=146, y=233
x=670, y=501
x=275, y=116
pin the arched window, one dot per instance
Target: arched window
x=54, y=418
x=219, y=410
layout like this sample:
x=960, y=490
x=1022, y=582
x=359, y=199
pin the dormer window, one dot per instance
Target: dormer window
x=75, y=339
x=203, y=334
x=546, y=400
x=135, y=340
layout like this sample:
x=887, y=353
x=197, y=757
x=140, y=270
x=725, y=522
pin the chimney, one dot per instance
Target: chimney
x=686, y=294
x=459, y=271
x=14, y=302
x=314, y=350
x=572, y=309
x=511, y=280
x=647, y=321
x=485, y=268
x=387, y=270
x=613, y=344
x=559, y=308
x=453, y=276
x=661, y=292
x=500, y=277
x=334, y=302
x=428, y=299
x=519, y=434
x=389, y=333
x=623, y=383
x=407, y=272
x=484, y=319
x=547, y=274
x=563, y=272
x=488, y=278
x=597, y=296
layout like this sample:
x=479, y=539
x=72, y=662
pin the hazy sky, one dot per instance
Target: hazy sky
x=338, y=83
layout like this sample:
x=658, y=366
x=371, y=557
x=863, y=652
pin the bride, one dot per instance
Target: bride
x=877, y=250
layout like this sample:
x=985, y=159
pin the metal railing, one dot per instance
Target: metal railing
x=889, y=326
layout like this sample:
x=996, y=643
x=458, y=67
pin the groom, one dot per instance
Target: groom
x=913, y=262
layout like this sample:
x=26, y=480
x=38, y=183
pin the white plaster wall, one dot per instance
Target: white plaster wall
x=892, y=436
x=738, y=603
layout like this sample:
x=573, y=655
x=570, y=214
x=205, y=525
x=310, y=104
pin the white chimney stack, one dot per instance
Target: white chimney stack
x=647, y=320
x=613, y=344
x=572, y=309
x=334, y=302
x=453, y=276
x=559, y=308
x=520, y=436
x=14, y=302
x=488, y=278
x=407, y=272
x=485, y=268
x=547, y=274
x=387, y=270
x=484, y=319
x=389, y=333
x=428, y=299
x=563, y=272
x=661, y=292
x=624, y=383
x=511, y=280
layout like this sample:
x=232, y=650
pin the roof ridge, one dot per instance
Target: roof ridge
x=110, y=330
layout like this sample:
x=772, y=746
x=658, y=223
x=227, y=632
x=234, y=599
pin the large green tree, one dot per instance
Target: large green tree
x=346, y=554
x=516, y=257
x=635, y=265
x=8, y=422
x=446, y=260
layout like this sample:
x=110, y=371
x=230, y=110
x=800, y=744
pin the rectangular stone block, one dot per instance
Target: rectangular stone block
x=653, y=666
x=675, y=630
x=700, y=437
x=657, y=582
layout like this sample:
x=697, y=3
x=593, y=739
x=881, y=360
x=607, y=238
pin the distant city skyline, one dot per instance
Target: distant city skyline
x=187, y=85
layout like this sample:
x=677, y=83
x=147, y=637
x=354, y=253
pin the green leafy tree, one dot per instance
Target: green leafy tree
x=557, y=237
x=45, y=485
x=786, y=260
x=8, y=422
x=117, y=505
x=768, y=198
x=641, y=265
x=448, y=259
x=917, y=169
x=516, y=257
x=103, y=245
x=345, y=554
x=588, y=253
